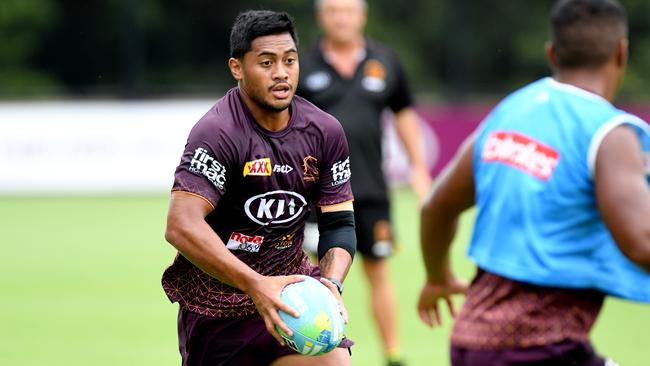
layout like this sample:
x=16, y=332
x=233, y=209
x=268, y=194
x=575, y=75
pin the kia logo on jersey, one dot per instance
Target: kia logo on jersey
x=276, y=207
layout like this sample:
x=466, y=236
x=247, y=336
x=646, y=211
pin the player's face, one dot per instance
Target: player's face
x=342, y=20
x=268, y=73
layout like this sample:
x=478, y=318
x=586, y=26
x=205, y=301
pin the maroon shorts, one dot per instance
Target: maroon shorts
x=240, y=341
x=244, y=341
x=566, y=353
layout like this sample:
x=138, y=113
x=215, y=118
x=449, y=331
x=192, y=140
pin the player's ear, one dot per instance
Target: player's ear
x=236, y=68
x=550, y=53
x=622, y=52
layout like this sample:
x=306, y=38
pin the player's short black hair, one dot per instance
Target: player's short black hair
x=252, y=24
x=585, y=33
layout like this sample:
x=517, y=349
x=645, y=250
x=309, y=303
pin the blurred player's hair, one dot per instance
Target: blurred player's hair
x=252, y=24
x=585, y=33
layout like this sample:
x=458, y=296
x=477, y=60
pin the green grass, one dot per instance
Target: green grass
x=80, y=285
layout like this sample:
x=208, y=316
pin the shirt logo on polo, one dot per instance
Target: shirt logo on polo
x=259, y=167
x=521, y=152
x=318, y=80
x=203, y=163
x=341, y=172
x=374, y=78
x=247, y=243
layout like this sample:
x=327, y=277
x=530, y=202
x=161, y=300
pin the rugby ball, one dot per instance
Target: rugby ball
x=319, y=328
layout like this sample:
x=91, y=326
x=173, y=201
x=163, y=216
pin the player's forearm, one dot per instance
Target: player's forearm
x=437, y=231
x=408, y=129
x=335, y=264
x=200, y=245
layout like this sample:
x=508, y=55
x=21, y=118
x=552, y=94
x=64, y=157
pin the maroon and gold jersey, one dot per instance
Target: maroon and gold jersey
x=260, y=184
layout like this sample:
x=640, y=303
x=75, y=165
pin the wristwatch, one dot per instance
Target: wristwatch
x=337, y=283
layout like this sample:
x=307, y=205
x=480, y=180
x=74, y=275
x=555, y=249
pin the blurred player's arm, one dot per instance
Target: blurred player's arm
x=623, y=194
x=407, y=125
x=453, y=193
x=191, y=235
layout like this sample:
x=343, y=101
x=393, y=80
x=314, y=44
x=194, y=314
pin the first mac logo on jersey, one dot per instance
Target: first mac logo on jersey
x=203, y=163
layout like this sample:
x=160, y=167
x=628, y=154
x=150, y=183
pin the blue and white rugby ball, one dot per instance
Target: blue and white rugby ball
x=319, y=328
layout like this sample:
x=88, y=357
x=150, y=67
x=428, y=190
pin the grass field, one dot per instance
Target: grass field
x=80, y=285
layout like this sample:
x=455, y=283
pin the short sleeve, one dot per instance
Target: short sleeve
x=206, y=163
x=638, y=125
x=334, y=167
x=401, y=96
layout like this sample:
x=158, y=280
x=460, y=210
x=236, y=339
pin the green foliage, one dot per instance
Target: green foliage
x=451, y=48
x=22, y=24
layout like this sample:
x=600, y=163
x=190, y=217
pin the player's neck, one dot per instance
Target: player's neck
x=593, y=81
x=269, y=120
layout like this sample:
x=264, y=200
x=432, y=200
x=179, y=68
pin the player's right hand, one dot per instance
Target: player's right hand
x=432, y=292
x=266, y=297
x=332, y=287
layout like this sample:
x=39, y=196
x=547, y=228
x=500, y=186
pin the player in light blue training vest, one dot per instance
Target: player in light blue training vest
x=559, y=177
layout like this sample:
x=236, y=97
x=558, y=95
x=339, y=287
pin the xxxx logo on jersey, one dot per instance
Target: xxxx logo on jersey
x=258, y=167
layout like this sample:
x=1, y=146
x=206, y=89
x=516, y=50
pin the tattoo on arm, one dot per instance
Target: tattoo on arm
x=326, y=262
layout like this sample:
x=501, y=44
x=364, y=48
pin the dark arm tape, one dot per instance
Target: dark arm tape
x=336, y=231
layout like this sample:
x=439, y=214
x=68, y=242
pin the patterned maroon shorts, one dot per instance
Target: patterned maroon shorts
x=238, y=341
x=242, y=341
x=566, y=353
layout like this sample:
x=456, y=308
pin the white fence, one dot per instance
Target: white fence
x=112, y=146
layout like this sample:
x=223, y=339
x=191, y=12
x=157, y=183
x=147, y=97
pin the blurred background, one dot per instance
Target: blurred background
x=162, y=48
x=96, y=99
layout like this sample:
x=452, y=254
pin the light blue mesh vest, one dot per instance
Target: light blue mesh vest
x=537, y=218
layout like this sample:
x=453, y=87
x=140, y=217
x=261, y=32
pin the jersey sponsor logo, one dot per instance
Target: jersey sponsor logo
x=285, y=241
x=284, y=169
x=259, y=167
x=275, y=207
x=310, y=169
x=248, y=243
x=521, y=152
x=318, y=80
x=341, y=172
x=203, y=163
x=374, y=76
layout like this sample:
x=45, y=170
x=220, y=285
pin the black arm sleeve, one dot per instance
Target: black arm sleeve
x=336, y=231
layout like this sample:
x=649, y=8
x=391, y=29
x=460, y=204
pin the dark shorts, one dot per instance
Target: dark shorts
x=366, y=217
x=242, y=341
x=566, y=353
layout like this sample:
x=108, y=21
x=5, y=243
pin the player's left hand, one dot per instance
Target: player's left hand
x=332, y=287
x=432, y=292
